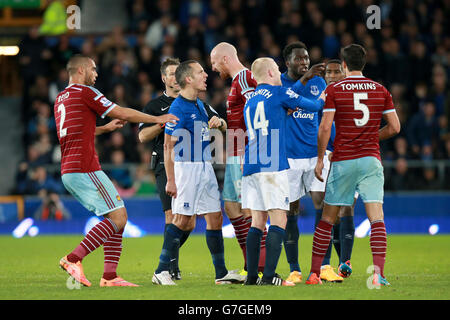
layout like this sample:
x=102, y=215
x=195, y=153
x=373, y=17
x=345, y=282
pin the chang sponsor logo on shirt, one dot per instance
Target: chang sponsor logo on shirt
x=300, y=114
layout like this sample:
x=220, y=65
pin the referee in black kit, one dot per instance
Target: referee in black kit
x=154, y=135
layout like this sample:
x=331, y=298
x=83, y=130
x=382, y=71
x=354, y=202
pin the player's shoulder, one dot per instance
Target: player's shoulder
x=245, y=80
x=318, y=81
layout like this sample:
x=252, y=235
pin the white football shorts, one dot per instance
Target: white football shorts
x=264, y=191
x=197, y=189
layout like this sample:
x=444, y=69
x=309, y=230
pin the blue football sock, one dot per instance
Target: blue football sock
x=274, y=240
x=214, y=240
x=253, y=245
x=291, y=242
x=347, y=234
x=336, y=239
x=170, y=248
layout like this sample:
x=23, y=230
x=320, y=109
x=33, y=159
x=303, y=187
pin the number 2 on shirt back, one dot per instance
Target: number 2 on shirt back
x=62, y=110
x=259, y=121
x=357, y=97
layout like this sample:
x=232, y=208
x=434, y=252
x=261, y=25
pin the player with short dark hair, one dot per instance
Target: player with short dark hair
x=357, y=105
x=301, y=134
x=344, y=227
x=191, y=181
x=76, y=110
x=154, y=136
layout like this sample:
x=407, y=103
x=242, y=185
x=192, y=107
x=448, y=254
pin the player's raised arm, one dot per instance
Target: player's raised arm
x=293, y=100
x=135, y=116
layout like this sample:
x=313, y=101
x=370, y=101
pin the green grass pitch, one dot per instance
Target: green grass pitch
x=417, y=267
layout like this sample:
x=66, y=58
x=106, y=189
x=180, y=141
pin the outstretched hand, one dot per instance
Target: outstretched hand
x=114, y=125
x=316, y=70
x=167, y=118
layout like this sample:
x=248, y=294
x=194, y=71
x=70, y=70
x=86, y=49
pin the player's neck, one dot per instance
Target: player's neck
x=235, y=69
x=171, y=93
x=293, y=76
x=189, y=93
x=75, y=80
x=354, y=73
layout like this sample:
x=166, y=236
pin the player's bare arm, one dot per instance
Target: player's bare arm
x=392, y=127
x=322, y=141
x=110, y=126
x=315, y=70
x=169, y=144
x=135, y=116
x=150, y=133
x=217, y=123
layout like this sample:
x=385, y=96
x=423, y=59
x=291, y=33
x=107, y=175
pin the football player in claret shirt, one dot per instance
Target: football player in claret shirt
x=344, y=227
x=357, y=105
x=225, y=61
x=76, y=110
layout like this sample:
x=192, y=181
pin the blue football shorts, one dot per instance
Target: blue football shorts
x=94, y=190
x=364, y=175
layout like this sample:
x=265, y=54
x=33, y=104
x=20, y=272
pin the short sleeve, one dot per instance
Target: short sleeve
x=96, y=101
x=330, y=105
x=170, y=127
x=388, y=103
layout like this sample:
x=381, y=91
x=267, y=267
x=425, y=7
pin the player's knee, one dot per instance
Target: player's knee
x=232, y=209
x=346, y=212
x=317, y=199
x=294, y=208
x=119, y=217
x=214, y=221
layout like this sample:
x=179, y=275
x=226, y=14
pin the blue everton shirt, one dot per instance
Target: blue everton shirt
x=302, y=126
x=192, y=130
x=265, y=115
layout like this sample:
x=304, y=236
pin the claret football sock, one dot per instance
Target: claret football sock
x=378, y=245
x=170, y=247
x=241, y=226
x=214, y=240
x=321, y=241
x=112, y=250
x=291, y=242
x=96, y=237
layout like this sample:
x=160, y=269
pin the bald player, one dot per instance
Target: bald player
x=225, y=61
x=265, y=184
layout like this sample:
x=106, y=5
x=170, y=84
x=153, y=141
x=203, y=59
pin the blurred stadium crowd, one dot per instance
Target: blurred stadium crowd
x=410, y=55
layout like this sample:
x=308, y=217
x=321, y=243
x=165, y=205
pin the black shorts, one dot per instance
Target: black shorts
x=161, y=181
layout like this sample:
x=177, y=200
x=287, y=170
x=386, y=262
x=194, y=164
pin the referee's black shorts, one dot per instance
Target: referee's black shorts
x=161, y=181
